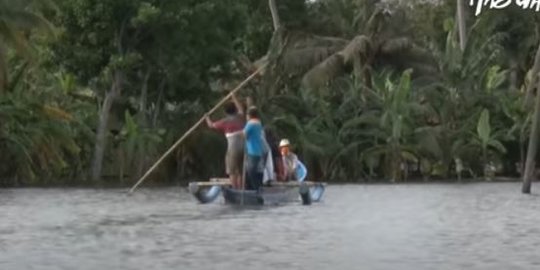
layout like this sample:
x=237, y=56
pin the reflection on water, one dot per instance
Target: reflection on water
x=474, y=226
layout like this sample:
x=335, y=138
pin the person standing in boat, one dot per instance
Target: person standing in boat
x=289, y=161
x=253, y=134
x=232, y=126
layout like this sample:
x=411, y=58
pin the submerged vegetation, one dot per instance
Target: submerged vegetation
x=93, y=91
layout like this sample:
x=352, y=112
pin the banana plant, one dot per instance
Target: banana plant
x=520, y=119
x=488, y=141
x=468, y=80
x=393, y=142
x=136, y=143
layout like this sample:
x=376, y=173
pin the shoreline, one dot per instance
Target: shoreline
x=184, y=184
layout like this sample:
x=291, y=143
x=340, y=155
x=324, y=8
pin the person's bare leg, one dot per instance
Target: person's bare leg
x=235, y=181
x=231, y=179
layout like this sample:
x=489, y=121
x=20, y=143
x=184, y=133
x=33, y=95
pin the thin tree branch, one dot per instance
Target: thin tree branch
x=275, y=15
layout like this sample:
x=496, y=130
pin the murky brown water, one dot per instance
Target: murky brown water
x=474, y=226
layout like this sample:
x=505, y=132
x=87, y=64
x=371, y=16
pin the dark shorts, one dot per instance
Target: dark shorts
x=254, y=173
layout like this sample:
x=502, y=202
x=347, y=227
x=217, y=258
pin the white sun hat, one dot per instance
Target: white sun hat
x=284, y=142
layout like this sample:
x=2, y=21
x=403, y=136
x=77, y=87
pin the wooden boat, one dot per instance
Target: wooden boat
x=273, y=194
x=265, y=196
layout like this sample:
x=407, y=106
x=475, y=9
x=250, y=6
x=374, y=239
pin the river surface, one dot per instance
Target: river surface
x=432, y=226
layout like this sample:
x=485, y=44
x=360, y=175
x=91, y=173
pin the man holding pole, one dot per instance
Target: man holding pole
x=194, y=127
x=232, y=126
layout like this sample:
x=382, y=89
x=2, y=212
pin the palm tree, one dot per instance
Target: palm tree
x=513, y=23
x=324, y=128
x=468, y=80
x=346, y=132
x=17, y=18
x=35, y=138
x=372, y=42
x=378, y=46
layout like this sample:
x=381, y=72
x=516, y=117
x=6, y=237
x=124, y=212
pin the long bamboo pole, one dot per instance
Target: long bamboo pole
x=244, y=171
x=194, y=127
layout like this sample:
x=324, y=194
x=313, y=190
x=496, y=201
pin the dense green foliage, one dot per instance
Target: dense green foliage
x=395, y=97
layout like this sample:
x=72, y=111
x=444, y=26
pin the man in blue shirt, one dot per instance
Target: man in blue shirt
x=255, y=150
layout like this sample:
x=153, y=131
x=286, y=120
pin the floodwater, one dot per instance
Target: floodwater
x=431, y=226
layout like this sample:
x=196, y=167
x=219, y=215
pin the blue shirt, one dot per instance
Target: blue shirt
x=253, y=132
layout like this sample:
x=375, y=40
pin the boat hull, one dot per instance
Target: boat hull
x=275, y=193
x=266, y=196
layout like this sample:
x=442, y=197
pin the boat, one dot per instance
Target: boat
x=272, y=193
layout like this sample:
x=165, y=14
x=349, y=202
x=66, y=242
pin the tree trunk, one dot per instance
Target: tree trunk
x=461, y=25
x=140, y=158
x=101, y=135
x=3, y=70
x=158, y=102
x=275, y=14
x=534, y=78
x=143, y=98
x=530, y=163
x=121, y=166
x=514, y=68
x=102, y=130
x=522, y=153
x=271, y=79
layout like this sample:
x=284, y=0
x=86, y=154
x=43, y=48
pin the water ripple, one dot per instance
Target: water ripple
x=450, y=226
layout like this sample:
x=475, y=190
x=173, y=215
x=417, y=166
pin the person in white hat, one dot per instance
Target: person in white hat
x=289, y=160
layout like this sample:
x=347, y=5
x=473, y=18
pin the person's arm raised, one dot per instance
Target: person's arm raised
x=209, y=122
x=249, y=102
x=238, y=105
